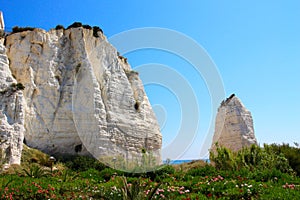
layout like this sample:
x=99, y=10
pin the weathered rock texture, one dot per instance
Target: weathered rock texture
x=234, y=125
x=80, y=97
x=1, y=21
x=11, y=113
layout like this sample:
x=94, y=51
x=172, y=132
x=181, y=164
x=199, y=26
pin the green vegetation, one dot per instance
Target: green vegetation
x=122, y=58
x=17, y=29
x=75, y=25
x=87, y=27
x=292, y=154
x=58, y=27
x=281, y=157
x=2, y=33
x=95, y=29
x=130, y=73
x=13, y=88
x=247, y=174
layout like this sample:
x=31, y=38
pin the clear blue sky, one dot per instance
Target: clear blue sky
x=255, y=45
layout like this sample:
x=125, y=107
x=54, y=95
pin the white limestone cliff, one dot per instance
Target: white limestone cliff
x=2, y=27
x=80, y=97
x=233, y=126
x=11, y=113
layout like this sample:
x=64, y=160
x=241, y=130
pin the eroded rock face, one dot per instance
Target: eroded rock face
x=234, y=125
x=11, y=113
x=80, y=97
x=1, y=21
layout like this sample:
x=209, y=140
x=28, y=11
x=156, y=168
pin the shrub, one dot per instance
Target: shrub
x=251, y=158
x=17, y=86
x=290, y=153
x=75, y=25
x=223, y=159
x=137, y=190
x=123, y=58
x=13, y=88
x=35, y=171
x=58, y=27
x=207, y=170
x=163, y=172
x=82, y=163
x=2, y=33
x=20, y=86
x=17, y=29
x=107, y=173
x=96, y=29
x=87, y=26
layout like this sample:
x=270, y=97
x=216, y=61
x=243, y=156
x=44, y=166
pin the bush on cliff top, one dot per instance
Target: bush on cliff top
x=58, y=27
x=96, y=29
x=75, y=25
x=17, y=29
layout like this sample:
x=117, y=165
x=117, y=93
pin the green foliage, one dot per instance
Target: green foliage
x=248, y=176
x=17, y=86
x=107, y=173
x=17, y=29
x=13, y=88
x=59, y=27
x=68, y=175
x=1, y=156
x=226, y=184
x=96, y=29
x=35, y=171
x=292, y=154
x=30, y=156
x=5, y=182
x=250, y=158
x=82, y=163
x=161, y=173
x=223, y=159
x=87, y=26
x=136, y=190
x=130, y=73
x=2, y=33
x=20, y=86
x=207, y=170
x=75, y=25
x=123, y=59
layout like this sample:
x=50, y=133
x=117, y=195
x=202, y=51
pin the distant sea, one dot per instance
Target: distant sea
x=177, y=162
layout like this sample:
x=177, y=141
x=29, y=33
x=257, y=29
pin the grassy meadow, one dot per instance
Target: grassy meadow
x=269, y=172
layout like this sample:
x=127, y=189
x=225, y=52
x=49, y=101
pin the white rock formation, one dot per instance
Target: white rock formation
x=80, y=96
x=11, y=113
x=1, y=21
x=233, y=126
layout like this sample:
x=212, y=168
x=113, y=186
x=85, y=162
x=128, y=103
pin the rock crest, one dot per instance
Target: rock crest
x=233, y=126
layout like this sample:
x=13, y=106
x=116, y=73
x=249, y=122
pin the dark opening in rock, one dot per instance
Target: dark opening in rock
x=78, y=148
x=24, y=141
x=136, y=105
